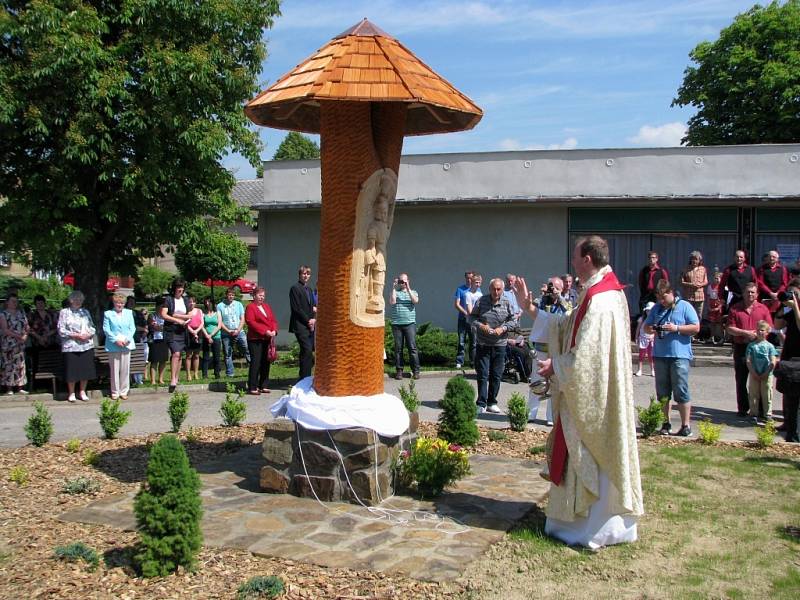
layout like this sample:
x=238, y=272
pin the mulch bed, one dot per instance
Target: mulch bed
x=29, y=529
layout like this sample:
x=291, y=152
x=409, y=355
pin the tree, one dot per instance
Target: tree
x=114, y=117
x=211, y=254
x=153, y=281
x=296, y=146
x=746, y=85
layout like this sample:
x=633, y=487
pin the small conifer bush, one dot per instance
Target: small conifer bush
x=765, y=435
x=457, y=419
x=409, y=396
x=708, y=432
x=518, y=412
x=168, y=511
x=39, y=427
x=260, y=587
x=73, y=445
x=78, y=551
x=19, y=475
x=233, y=409
x=178, y=409
x=112, y=419
x=651, y=418
x=495, y=435
x=91, y=458
x=191, y=436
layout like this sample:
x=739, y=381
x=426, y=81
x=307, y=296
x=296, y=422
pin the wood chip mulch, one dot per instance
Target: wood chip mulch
x=30, y=530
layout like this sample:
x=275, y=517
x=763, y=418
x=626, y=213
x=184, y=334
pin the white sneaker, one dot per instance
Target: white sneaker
x=549, y=423
x=494, y=409
x=459, y=366
x=71, y=398
x=480, y=410
x=84, y=397
x=638, y=373
x=10, y=393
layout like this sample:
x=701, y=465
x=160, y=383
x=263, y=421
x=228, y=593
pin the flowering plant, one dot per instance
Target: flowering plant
x=432, y=465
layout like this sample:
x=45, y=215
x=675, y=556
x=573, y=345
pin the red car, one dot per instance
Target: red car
x=112, y=283
x=244, y=286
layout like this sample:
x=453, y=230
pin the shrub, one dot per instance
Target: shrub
x=708, y=432
x=457, y=419
x=233, y=409
x=765, y=435
x=518, y=412
x=291, y=358
x=409, y=396
x=191, y=436
x=50, y=288
x=91, y=458
x=199, y=290
x=78, y=551
x=39, y=427
x=80, y=485
x=540, y=449
x=168, y=511
x=652, y=417
x=432, y=465
x=435, y=346
x=73, y=445
x=495, y=435
x=19, y=475
x=177, y=409
x=152, y=281
x=260, y=587
x=112, y=419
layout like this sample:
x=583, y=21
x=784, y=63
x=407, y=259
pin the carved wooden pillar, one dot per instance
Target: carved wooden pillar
x=358, y=139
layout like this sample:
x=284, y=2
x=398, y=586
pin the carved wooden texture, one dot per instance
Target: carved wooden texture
x=357, y=139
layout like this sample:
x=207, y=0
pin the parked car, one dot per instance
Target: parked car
x=112, y=283
x=243, y=286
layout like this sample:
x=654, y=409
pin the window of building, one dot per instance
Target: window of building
x=253, y=262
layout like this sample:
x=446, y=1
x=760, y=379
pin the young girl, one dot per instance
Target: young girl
x=193, y=343
x=715, y=307
x=645, y=342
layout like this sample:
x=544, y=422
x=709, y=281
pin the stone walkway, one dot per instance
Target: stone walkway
x=430, y=540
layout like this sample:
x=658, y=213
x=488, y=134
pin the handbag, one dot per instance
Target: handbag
x=272, y=351
x=787, y=374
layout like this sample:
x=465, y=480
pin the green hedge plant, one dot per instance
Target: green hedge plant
x=457, y=419
x=651, y=417
x=112, y=418
x=178, y=409
x=168, y=511
x=518, y=412
x=39, y=428
x=233, y=409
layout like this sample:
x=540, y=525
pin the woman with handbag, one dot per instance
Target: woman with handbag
x=261, y=331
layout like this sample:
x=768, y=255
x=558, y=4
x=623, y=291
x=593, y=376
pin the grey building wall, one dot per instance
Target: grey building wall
x=434, y=245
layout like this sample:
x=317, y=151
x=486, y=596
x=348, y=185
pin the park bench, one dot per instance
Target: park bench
x=51, y=364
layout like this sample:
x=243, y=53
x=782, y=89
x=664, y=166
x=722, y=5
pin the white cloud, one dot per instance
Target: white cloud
x=669, y=134
x=514, y=144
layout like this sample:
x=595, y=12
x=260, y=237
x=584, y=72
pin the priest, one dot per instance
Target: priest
x=593, y=462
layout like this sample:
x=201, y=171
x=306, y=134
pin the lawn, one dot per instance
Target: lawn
x=721, y=522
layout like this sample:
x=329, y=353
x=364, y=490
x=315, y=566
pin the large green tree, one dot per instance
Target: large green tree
x=746, y=85
x=296, y=146
x=114, y=118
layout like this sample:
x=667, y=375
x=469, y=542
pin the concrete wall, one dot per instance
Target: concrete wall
x=434, y=245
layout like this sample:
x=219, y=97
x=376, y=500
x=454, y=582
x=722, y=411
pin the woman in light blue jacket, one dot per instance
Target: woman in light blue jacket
x=119, y=327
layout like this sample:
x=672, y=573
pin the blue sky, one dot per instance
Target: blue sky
x=547, y=73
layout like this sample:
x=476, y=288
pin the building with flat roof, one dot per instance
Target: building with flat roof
x=519, y=212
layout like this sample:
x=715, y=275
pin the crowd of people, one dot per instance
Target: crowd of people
x=180, y=333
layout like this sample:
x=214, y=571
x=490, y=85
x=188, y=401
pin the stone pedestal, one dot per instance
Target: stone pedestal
x=337, y=463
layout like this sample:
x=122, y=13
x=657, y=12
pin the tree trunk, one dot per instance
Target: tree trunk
x=358, y=138
x=91, y=274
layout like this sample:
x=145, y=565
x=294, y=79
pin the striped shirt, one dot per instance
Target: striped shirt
x=404, y=311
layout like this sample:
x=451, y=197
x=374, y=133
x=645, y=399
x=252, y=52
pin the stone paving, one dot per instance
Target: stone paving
x=432, y=540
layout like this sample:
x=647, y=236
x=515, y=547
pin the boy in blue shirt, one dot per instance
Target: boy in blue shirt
x=761, y=358
x=674, y=321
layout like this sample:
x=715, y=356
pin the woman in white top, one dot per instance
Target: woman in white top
x=76, y=330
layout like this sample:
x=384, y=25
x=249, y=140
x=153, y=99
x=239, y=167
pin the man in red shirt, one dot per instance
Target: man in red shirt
x=772, y=280
x=743, y=319
x=735, y=276
x=649, y=277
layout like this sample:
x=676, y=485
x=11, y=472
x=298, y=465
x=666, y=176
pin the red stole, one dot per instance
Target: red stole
x=558, y=461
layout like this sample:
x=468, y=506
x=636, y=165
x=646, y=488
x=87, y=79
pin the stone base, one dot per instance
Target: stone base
x=339, y=465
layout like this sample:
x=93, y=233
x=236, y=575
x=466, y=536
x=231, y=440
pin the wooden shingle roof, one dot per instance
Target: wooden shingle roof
x=364, y=64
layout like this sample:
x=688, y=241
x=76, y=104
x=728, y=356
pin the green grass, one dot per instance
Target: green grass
x=719, y=523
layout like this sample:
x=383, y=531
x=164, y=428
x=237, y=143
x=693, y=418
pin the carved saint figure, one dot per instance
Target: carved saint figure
x=375, y=254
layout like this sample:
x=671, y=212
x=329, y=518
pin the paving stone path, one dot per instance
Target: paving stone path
x=430, y=540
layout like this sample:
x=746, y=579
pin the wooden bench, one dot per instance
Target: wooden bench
x=101, y=361
x=51, y=364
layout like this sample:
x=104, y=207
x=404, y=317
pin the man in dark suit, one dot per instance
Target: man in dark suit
x=303, y=319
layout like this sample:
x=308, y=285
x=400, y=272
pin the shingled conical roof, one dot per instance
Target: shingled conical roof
x=363, y=64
